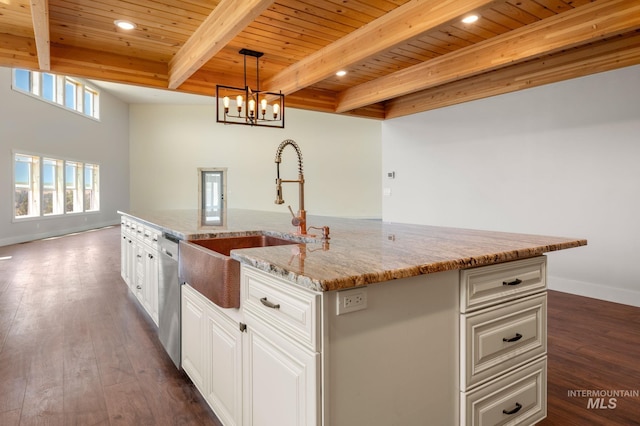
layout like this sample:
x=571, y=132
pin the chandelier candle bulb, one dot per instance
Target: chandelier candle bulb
x=225, y=101
x=252, y=107
x=276, y=110
x=239, y=103
x=263, y=106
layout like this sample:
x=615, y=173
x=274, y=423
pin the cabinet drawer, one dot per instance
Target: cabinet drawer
x=151, y=236
x=496, y=340
x=284, y=308
x=489, y=285
x=518, y=398
x=129, y=227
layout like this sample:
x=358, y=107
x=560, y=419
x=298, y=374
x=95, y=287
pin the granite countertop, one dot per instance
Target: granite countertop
x=359, y=251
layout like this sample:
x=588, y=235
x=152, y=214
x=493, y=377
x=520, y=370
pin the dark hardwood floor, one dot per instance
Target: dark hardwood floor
x=75, y=348
x=593, y=346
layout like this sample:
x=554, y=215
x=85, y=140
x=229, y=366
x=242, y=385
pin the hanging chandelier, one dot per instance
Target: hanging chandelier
x=236, y=105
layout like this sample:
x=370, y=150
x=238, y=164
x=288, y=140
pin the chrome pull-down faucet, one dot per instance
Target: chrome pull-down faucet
x=299, y=220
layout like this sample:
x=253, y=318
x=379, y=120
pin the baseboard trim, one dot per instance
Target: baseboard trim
x=595, y=291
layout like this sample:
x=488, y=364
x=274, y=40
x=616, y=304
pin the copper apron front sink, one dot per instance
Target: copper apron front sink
x=206, y=265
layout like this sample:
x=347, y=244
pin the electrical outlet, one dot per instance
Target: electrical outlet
x=351, y=300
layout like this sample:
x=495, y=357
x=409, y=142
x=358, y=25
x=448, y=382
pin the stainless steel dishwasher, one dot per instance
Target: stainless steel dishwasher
x=169, y=298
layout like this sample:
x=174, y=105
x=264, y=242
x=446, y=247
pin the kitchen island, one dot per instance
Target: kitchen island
x=381, y=324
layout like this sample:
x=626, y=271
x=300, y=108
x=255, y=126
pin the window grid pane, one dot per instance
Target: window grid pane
x=73, y=187
x=23, y=80
x=91, y=187
x=26, y=186
x=49, y=87
x=70, y=93
x=52, y=186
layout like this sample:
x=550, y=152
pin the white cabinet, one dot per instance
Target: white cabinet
x=212, y=354
x=503, y=343
x=264, y=376
x=457, y=347
x=517, y=398
x=281, y=385
x=150, y=282
x=281, y=357
x=193, y=337
x=224, y=367
x=127, y=262
x=139, y=264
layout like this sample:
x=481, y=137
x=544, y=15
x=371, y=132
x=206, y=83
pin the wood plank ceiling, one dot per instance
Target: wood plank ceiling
x=401, y=56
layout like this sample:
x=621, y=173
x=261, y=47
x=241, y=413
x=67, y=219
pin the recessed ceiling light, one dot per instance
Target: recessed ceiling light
x=341, y=73
x=470, y=19
x=124, y=25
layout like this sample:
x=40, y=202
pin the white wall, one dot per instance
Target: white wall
x=34, y=126
x=562, y=159
x=341, y=158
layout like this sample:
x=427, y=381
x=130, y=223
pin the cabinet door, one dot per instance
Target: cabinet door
x=224, y=359
x=128, y=256
x=192, y=326
x=131, y=262
x=151, y=283
x=124, y=257
x=139, y=279
x=281, y=381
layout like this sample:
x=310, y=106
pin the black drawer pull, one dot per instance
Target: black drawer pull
x=517, y=337
x=268, y=304
x=514, y=282
x=515, y=410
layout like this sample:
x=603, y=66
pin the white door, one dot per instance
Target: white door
x=281, y=381
x=192, y=338
x=225, y=367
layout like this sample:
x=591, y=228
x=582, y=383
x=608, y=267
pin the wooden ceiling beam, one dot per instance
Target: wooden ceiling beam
x=392, y=29
x=40, y=18
x=582, y=25
x=586, y=60
x=225, y=22
x=100, y=65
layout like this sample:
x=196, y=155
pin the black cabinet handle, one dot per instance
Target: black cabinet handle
x=268, y=304
x=517, y=337
x=515, y=410
x=514, y=282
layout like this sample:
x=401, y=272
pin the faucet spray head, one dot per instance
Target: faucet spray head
x=279, y=199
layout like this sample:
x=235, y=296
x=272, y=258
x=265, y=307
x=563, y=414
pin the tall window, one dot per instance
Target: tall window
x=45, y=186
x=48, y=87
x=52, y=186
x=91, y=188
x=91, y=103
x=27, y=188
x=71, y=91
x=59, y=90
x=73, y=187
x=22, y=80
